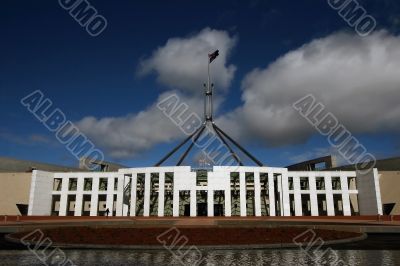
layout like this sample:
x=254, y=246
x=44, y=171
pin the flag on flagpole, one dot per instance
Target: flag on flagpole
x=212, y=56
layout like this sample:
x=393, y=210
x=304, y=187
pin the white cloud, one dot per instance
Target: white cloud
x=357, y=78
x=126, y=136
x=182, y=62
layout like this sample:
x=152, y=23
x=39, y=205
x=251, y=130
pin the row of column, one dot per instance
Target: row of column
x=313, y=192
x=282, y=189
x=94, y=193
x=283, y=193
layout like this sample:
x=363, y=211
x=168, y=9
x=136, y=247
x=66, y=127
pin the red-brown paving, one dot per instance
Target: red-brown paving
x=195, y=236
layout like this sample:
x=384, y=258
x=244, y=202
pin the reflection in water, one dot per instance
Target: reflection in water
x=213, y=257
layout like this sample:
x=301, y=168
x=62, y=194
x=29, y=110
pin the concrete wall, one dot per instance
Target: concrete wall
x=369, y=193
x=40, y=193
x=14, y=189
x=390, y=184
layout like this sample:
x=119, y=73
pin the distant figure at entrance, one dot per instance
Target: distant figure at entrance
x=107, y=212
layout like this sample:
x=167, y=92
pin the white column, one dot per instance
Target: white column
x=285, y=194
x=175, y=204
x=110, y=195
x=279, y=191
x=79, y=197
x=257, y=194
x=146, y=209
x=120, y=194
x=161, y=193
x=329, y=194
x=298, y=208
x=313, y=194
x=271, y=193
x=193, y=203
x=228, y=203
x=94, y=201
x=345, y=195
x=210, y=203
x=242, y=183
x=64, y=197
x=133, y=195
x=125, y=206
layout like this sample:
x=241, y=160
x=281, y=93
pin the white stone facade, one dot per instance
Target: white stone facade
x=222, y=191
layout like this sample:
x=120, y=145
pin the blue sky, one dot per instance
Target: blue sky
x=43, y=47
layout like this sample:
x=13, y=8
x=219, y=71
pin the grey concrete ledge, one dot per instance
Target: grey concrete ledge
x=211, y=247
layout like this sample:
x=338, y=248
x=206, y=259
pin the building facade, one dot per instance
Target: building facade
x=220, y=191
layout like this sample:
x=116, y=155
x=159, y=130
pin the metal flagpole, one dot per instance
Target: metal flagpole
x=234, y=155
x=208, y=118
x=208, y=109
x=177, y=147
x=191, y=146
x=205, y=102
x=209, y=93
x=240, y=147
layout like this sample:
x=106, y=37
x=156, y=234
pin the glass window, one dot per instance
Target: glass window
x=116, y=183
x=336, y=183
x=87, y=184
x=201, y=178
x=290, y=181
x=320, y=183
x=304, y=184
x=57, y=183
x=103, y=184
x=73, y=184
x=352, y=183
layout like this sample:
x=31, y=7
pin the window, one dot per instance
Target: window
x=250, y=197
x=154, y=190
x=103, y=184
x=116, y=183
x=235, y=194
x=304, y=184
x=235, y=185
x=201, y=178
x=140, y=194
x=290, y=182
x=73, y=184
x=352, y=183
x=168, y=194
x=320, y=183
x=57, y=182
x=87, y=184
x=336, y=183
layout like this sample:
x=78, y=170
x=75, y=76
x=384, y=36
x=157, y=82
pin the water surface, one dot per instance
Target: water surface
x=213, y=257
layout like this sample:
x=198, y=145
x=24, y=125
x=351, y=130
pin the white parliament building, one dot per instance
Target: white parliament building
x=220, y=191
